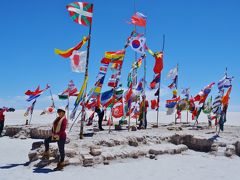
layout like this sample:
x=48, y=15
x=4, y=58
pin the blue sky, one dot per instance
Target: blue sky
x=202, y=36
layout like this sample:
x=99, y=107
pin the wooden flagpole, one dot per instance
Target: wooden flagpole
x=85, y=76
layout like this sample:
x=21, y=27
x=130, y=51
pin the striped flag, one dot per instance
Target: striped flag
x=216, y=107
x=225, y=82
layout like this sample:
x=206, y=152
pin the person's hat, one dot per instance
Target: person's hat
x=61, y=109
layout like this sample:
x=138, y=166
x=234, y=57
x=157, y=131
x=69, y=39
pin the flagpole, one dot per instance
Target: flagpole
x=114, y=88
x=51, y=97
x=159, y=84
x=177, y=93
x=33, y=105
x=85, y=76
x=68, y=103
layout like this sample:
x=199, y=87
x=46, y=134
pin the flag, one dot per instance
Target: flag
x=48, y=110
x=154, y=104
x=174, y=83
x=139, y=19
x=217, y=103
x=114, y=56
x=186, y=92
x=78, y=61
x=155, y=81
x=117, y=110
x=171, y=103
x=182, y=105
x=138, y=63
x=225, y=82
x=203, y=94
x=128, y=93
x=67, y=53
x=79, y=98
x=138, y=44
x=81, y=12
x=158, y=67
x=106, y=96
x=117, y=65
x=172, y=73
x=225, y=98
x=70, y=91
x=30, y=109
x=140, y=85
x=81, y=92
x=207, y=108
x=113, y=81
x=35, y=94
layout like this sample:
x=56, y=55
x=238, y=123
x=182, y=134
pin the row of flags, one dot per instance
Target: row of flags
x=82, y=13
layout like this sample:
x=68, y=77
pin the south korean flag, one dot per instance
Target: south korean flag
x=138, y=44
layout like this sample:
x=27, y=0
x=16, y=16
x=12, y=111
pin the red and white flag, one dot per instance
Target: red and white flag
x=78, y=61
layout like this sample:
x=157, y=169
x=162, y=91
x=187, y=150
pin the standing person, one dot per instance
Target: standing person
x=143, y=110
x=59, y=136
x=100, y=113
x=2, y=119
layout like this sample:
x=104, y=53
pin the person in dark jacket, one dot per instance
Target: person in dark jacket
x=100, y=117
x=59, y=136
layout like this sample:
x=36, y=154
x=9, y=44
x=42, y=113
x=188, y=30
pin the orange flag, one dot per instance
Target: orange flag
x=225, y=98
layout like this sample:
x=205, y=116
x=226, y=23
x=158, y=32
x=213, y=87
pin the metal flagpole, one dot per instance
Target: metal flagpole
x=177, y=94
x=159, y=84
x=33, y=105
x=85, y=76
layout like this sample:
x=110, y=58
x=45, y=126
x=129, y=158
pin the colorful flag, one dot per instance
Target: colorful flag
x=115, y=55
x=202, y=95
x=217, y=103
x=81, y=12
x=138, y=63
x=78, y=61
x=158, y=67
x=171, y=103
x=155, y=81
x=140, y=85
x=70, y=91
x=139, y=19
x=225, y=82
x=174, y=83
x=81, y=92
x=79, y=98
x=69, y=52
x=113, y=81
x=35, y=94
x=138, y=44
x=106, y=96
x=207, y=107
x=225, y=98
x=117, y=110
